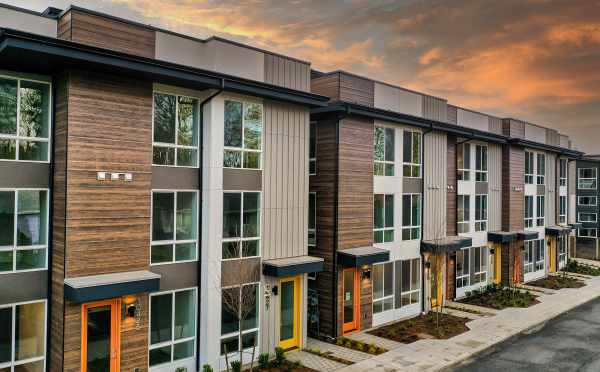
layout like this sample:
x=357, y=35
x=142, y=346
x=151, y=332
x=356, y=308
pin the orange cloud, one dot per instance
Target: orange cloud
x=431, y=55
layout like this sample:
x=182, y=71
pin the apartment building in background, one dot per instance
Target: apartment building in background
x=587, y=207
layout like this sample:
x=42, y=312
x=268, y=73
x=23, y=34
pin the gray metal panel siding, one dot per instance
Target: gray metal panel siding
x=177, y=275
x=452, y=115
x=551, y=190
x=21, y=287
x=495, y=125
x=179, y=178
x=435, y=174
x=495, y=187
x=287, y=73
x=572, y=185
x=435, y=108
x=285, y=181
x=22, y=174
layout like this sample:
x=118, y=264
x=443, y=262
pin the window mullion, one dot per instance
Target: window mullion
x=172, y=325
x=174, y=222
x=14, y=336
x=15, y=225
x=18, y=122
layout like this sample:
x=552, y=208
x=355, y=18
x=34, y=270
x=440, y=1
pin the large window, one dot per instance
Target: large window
x=562, y=209
x=312, y=218
x=411, y=154
x=539, y=254
x=312, y=154
x=480, y=264
x=396, y=284
x=481, y=168
x=481, y=214
x=175, y=134
x=383, y=148
x=463, y=213
x=541, y=210
x=243, y=135
x=383, y=287
x=541, y=169
x=239, y=318
x=534, y=255
x=174, y=226
x=24, y=119
x=587, y=217
x=528, y=211
x=562, y=251
x=23, y=230
x=411, y=216
x=172, y=326
x=23, y=337
x=473, y=259
x=529, y=160
x=463, y=276
x=587, y=233
x=463, y=161
x=589, y=201
x=241, y=225
x=383, y=221
x=587, y=178
x=562, y=172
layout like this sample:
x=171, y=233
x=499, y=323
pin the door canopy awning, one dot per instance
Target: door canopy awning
x=446, y=244
x=104, y=286
x=290, y=266
x=357, y=257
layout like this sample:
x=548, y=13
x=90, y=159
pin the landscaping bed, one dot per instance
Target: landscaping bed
x=431, y=325
x=359, y=346
x=557, y=282
x=577, y=268
x=498, y=297
x=266, y=363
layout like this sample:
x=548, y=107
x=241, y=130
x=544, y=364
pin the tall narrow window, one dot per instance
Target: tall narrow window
x=480, y=264
x=241, y=225
x=411, y=160
x=23, y=337
x=541, y=210
x=383, y=147
x=463, y=161
x=562, y=209
x=174, y=227
x=24, y=120
x=562, y=166
x=529, y=211
x=312, y=155
x=239, y=318
x=587, y=179
x=383, y=287
x=539, y=254
x=383, y=221
x=528, y=256
x=312, y=219
x=411, y=216
x=243, y=135
x=176, y=121
x=463, y=213
x=463, y=276
x=407, y=282
x=481, y=168
x=529, y=165
x=541, y=169
x=481, y=212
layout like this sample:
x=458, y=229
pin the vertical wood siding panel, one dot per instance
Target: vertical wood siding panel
x=571, y=185
x=551, y=189
x=451, y=186
x=266, y=215
x=495, y=187
x=435, y=180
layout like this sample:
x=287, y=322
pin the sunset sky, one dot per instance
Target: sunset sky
x=536, y=60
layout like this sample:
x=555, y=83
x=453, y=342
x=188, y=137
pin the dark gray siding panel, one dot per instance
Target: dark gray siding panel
x=20, y=287
x=177, y=275
x=21, y=174
x=175, y=178
x=242, y=179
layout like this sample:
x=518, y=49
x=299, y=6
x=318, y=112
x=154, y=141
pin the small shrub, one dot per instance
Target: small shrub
x=263, y=361
x=279, y=355
x=348, y=344
x=360, y=346
x=236, y=366
x=372, y=349
x=207, y=368
x=339, y=341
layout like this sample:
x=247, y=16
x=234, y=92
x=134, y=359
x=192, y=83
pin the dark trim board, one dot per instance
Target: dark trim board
x=355, y=258
x=527, y=235
x=501, y=236
x=102, y=292
x=292, y=269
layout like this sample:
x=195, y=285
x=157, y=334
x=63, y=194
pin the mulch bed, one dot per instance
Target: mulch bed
x=575, y=267
x=500, y=298
x=431, y=325
x=557, y=282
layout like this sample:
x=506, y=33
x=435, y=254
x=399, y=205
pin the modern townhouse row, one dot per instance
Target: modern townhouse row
x=167, y=202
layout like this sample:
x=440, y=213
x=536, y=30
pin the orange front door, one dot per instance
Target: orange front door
x=350, y=300
x=100, y=336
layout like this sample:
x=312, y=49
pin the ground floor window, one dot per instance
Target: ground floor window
x=471, y=266
x=172, y=326
x=23, y=337
x=396, y=284
x=480, y=264
x=534, y=256
x=562, y=252
x=239, y=318
x=462, y=268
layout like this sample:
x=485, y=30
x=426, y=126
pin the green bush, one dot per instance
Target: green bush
x=339, y=341
x=236, y=366
x=372, y=349
x=348, y=344
x=207, y=368
x=263, y=361
x=279, y=355
x=360, y=346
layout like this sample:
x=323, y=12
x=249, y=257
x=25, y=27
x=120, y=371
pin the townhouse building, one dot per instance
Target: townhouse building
x=153, y=196
x=587, y=207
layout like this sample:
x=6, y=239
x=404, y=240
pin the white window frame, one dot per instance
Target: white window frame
x=175, y=145
x=241, y=239
x=530, y=158
x=466, y=222
x=540, y=172
x=463, y=174
x=562, y=170
x=591, y=232
x=312, y=231
x=593, y=215
x=481, y=201
x=14, y=363
x=481, y=175
x=311, y=160
x=173, y=242
x=540, y=216
x=539, y=265
x=412, y=226
x=172, y=342
x=593, y=179
x=239, y=333
x=384, y=162
x=242, y=150
x=384, y=229
x=18, y=137
x=529, y=218
x=562, y=251
x=463, y=280
x=591, y=197
x=529, y=257
x=481, y=272
x=15, y=247
x=562, y=209
x=385, y=298
x=411, y=290
x=410, y=163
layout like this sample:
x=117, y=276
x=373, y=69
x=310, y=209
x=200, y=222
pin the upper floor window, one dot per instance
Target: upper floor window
x=411, y=154
x=541, y=210
x=529, y=165
x=383, y=148
x=463, y=161
x=175, y=134
x=24, y=120
x=411, y=216
x=312, y=150
x=239, y=318
x=588, y=233
x=541, y=169
x=587, y=217
x=589, y=201
x=481, y=214
x=562, y=209
x=23, y=230
x=241, y=225
x=174, y=226
x=463, y=213
x=243, y=135
x=23, y=336
x=312, y=218
x=528, y=211
x=383, y=221
x=562, y=171
x=587, y=179
x=481, y=163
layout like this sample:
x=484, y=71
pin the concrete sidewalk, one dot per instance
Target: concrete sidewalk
x=435, y=355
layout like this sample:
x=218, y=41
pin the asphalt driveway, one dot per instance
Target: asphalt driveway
x=570, y=342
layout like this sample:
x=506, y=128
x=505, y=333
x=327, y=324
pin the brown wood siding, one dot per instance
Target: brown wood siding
x=327, y=85
x=104, y=32
x=452, y=115
x=513, y=188
x=357, y=90
x=134, y=338
x=513, y=128
x=451, y=188
x=366, y=300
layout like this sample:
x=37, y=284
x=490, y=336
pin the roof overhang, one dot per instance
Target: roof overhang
x=446, y=244
x=290, y=266
x=527, y=235
x=542, y=146
x=101, y=287
x=558, y=230
x=357, y=257
x=27, y=52
x=501, y=236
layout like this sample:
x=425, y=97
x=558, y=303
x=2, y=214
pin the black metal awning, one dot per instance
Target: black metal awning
x=290, y=266
x=356, y=257
x=502, y=236
x=527, y=235
x=446, y=244
x=104, y=286
x=558, y=230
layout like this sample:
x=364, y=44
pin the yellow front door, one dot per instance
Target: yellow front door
x=552, y=254
x=497, y=263
x=436, y=280
x=289, y=312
